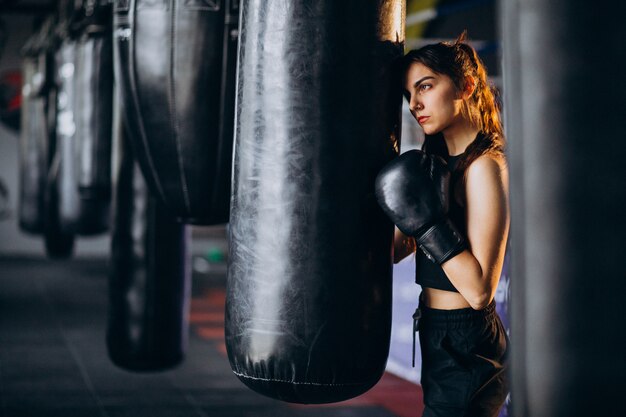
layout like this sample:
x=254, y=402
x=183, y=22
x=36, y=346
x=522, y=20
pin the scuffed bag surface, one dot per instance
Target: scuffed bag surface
x=177, y=97
x=308, y=312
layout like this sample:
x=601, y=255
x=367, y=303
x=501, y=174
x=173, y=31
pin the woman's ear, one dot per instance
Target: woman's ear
x=469, y=87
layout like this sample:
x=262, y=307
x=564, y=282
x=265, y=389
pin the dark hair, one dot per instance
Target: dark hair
x=459, y=60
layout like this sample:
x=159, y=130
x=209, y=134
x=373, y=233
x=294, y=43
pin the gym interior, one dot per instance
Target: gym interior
x=170, y=171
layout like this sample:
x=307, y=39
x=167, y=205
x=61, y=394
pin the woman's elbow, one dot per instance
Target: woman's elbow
x=480, y=301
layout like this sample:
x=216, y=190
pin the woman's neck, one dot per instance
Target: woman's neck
x=458, y=137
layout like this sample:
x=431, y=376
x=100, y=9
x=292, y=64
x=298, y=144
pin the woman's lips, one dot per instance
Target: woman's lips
x=422, y=119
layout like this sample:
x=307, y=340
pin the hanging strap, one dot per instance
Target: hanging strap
x=416, y=317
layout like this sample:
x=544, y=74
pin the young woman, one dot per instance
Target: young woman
x=455, y=216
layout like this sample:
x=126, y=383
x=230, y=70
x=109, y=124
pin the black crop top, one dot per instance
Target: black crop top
x=427, y=273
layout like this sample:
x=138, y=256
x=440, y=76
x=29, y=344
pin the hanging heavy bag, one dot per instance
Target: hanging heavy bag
x=149, y=276
x=93, y=111
x=308, y=308
x=59, y=242
x=174, y=61
x=34, y=130
x=69, y=200
x=33, y=138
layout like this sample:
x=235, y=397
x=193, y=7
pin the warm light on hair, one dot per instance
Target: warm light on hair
x=459, y=61
x=391, y=21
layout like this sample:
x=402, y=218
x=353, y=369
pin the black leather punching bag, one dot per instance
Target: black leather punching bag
x=565, y=126
x=33, y=141
x=65, y=164
x=149, y=276
x=308, y=307
x=59, y=243
x=93, y=111
x=175, y=63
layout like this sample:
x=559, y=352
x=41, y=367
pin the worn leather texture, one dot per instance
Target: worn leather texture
x=175, y=64
x=308, y=308
x=94, y=107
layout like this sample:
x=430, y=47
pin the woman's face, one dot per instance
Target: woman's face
x=434, y=100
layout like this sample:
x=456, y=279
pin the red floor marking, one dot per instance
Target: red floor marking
x=197, y=317
x=210, y=333
x=221, y=347
x=397, y=395
x=217, y=297
x=401, y=397
x=359, y=401
x=212, y=300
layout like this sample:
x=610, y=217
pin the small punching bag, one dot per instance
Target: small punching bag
x=175, y=64
x=308, y=307
x=149, y=276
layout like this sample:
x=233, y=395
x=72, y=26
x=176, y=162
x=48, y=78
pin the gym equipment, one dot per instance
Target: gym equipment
x=149, y=276
x=175, y=62
x=33, y=141
x=93, y=112
x=413, y=190
x=308, y=307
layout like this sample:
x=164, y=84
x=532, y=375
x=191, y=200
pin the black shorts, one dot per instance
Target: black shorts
x=464, y=362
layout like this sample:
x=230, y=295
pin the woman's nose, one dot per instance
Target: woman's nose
x=414, y=104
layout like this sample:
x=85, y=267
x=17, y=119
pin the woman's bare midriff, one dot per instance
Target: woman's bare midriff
x=443, y=300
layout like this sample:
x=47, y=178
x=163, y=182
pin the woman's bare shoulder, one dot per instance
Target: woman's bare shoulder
x=488, y=166
x=486, y=174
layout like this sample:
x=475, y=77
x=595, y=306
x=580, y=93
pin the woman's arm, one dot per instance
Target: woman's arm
x=475, y=272
x=403, y=246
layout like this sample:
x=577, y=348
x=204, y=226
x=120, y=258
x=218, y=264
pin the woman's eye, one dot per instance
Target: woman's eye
x=424, y=87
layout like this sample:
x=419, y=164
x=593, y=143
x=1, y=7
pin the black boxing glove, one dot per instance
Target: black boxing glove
x=413, y=191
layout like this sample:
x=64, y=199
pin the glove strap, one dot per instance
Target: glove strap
x=441, y=242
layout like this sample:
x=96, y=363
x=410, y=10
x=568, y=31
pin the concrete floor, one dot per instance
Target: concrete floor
x=53, y=358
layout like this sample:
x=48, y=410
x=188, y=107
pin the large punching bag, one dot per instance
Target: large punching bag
x=174, y=61
x=308, y=307
x=149, y=275
x=564, y=100
x=93, y=110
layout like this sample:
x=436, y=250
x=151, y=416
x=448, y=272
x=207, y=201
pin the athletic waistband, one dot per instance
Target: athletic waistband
x=459, y=318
